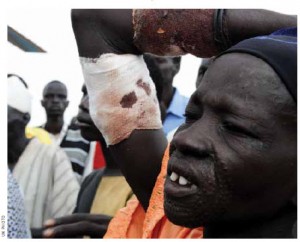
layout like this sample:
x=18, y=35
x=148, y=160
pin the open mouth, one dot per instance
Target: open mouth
x=179, y=182
x=180, y=179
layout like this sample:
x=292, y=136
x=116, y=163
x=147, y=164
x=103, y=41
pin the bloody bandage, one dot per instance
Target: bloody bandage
x=122, y=96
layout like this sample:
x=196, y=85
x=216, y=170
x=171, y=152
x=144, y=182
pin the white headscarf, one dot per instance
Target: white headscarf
x=18, y=95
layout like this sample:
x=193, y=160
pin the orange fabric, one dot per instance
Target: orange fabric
x=132, y=222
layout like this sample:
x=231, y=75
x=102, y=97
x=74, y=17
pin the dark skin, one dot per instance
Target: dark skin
x=55, y=103
x=162, y=71
x=99, y=31
x=226, y=141
x=176, y=32
x=202, y=69
x=76, y=226
x=232, y=207
x=16, y=139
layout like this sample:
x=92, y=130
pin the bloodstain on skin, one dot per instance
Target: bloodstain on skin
x=145, y=86
x=128, y=100
x=163, y=31
x=160, y=31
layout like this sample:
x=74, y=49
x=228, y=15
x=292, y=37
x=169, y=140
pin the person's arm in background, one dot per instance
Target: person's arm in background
x=204, y=32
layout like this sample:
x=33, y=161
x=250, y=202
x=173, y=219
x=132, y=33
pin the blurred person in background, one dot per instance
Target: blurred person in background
x=42, y=171
x=55, y=101
x=68, y=137
x=171, y=103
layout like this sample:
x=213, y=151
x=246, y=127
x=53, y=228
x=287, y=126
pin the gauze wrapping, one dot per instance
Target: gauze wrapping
x=122, y=96
x=18, y=95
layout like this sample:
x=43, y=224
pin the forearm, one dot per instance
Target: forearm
x=124, y=107
x=139, y=164
x=123, y=102
x=100, y=31
x=247, y=23
x=198, y=31
x=174, y=31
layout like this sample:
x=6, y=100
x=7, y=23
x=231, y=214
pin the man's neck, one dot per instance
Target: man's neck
x=167, y=96
x=280, y=226
x=54, y=124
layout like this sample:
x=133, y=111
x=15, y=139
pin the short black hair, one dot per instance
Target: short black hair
x=52, y=82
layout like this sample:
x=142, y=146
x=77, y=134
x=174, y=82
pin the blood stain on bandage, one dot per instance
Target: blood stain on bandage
x=145, y=86
x=128, y=100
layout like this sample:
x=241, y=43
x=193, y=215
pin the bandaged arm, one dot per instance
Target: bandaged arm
x=123, y=101
x=140, y=152
x=122, y=95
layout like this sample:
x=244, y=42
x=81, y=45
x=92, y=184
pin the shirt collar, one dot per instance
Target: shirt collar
x=177, y=105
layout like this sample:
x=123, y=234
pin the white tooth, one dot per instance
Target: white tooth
x=182, y=181
x=173, y=176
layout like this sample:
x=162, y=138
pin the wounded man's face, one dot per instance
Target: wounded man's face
x=235, y=157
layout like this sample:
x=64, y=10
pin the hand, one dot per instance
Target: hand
x=77, y=225
x=99, y=31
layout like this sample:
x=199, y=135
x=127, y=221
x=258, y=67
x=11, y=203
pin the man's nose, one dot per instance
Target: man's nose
x=84, y=103
x=56, y=98
x=194, y=140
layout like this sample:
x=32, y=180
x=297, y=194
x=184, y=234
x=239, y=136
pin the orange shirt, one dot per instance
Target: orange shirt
x=132, y=222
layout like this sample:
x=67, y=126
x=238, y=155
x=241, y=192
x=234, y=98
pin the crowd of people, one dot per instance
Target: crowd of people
x=140, y=160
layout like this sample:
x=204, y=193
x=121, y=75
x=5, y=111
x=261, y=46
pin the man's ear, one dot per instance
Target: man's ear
x=67, y=104
x=26, y=118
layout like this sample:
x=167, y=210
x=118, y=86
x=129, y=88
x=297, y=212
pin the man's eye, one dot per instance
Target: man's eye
x=238, y=130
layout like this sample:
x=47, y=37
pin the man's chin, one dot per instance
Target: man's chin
x=192, y=215
x=55, y=113
x=88, y=134
x=181, y=216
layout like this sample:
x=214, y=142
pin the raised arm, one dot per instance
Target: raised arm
x=202, y=32
x=131, y=99
x=99, y=31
